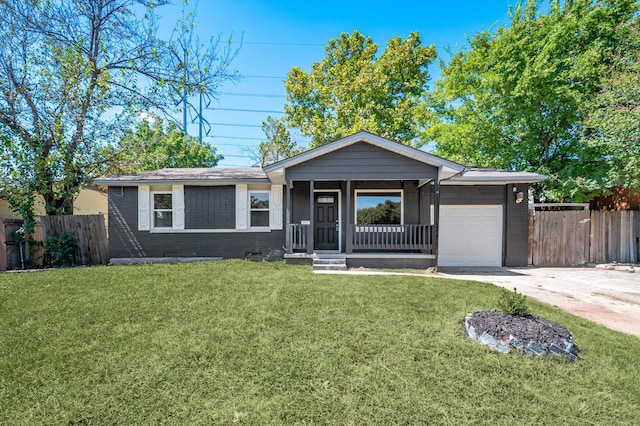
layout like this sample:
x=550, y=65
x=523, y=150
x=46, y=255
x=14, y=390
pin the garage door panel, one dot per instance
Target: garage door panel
x=470, y=236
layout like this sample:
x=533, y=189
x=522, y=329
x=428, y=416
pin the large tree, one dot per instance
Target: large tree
x=278, y=144
x=75, y=72
x=613, y=125
x=355, y=88
x=516, y=97
x=154, y=145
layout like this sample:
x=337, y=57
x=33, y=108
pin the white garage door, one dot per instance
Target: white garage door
x=470, y=236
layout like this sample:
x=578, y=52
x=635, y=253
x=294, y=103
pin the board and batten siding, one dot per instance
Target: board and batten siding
x=210, y=207
x=126, y=240
x=361, y=161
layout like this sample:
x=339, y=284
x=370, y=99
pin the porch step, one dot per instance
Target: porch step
x=330, y=262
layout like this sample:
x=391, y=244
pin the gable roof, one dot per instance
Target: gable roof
x=450, y=172
x=191, y=176
x=275, y=171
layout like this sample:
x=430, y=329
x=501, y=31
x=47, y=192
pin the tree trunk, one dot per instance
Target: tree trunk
x=58, y=206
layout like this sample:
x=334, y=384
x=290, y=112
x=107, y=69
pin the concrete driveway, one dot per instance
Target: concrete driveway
x=610, y=297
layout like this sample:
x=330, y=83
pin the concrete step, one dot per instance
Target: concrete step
x=329, y=256
x=330, y=262
x=330, y=267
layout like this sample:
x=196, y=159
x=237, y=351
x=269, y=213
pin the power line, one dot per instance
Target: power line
x=236, y=125
x=234, y=144
x=264, y=76
x=246, y=110
x=257, y=95
x=275, y=43
x=250, y=139
x=236, y=137
x=236, y=155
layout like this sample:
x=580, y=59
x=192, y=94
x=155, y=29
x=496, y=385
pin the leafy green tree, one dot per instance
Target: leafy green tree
x=154, y=146
x=354, y=89
x=613, y=127
x=278, y=144
x=384, y=213
x=74, y=74
x=516, y=97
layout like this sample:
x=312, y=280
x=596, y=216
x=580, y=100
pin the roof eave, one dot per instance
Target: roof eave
x=461, y=180
x=192, y=182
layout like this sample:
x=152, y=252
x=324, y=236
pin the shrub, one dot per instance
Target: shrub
x=513, y=303
x=60, y=250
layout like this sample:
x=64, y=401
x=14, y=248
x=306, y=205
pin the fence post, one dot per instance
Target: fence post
x=3, y=247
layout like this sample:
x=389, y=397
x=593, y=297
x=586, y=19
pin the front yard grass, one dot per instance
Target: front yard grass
x=237, y=342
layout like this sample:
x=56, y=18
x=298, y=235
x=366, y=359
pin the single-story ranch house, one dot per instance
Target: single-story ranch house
x=359, y=201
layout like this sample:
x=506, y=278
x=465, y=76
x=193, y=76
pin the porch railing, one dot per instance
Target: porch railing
x=298, y=236
x=392, y=237
x=374, y=237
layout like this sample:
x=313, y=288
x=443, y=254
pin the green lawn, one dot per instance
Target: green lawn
x=233, y=342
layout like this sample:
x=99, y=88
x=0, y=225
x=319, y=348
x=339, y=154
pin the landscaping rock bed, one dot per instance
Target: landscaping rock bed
x=530, y=334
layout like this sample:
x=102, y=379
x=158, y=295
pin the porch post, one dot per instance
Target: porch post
x=310, y=242
x=287, y=216
x=436, y=217
x=349, y=233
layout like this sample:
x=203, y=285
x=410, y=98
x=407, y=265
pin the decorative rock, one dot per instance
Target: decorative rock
x=536, y=348
x=503, y=348
x=515, y=343
x=556, y=350
x=487, y=339
x=497, y=334
x=471, y=332
x=568, y=346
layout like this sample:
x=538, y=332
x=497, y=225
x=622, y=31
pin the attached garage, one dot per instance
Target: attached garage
x=470, y=235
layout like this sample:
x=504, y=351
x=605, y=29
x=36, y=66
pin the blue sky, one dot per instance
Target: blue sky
x=280, y=34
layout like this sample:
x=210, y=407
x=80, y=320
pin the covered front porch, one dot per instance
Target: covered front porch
x=369, y=223
x=374, y=200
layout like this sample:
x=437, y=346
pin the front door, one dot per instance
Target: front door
x=326, y=221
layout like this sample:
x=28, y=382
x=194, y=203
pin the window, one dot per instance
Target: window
x=381, y=207
x=162, y=209
x=326, y=199
x=259, y=208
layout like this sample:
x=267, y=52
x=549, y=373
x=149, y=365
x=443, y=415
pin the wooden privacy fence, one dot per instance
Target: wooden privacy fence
x=571, y=238
x=14, y=255
x=89, y=232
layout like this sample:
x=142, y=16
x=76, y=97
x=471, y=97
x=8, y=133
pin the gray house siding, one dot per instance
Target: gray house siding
x=361, y=161
x=467, y=194
x=210, y=207
x=516, y=242
x=126, y=241
x=516, y=217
